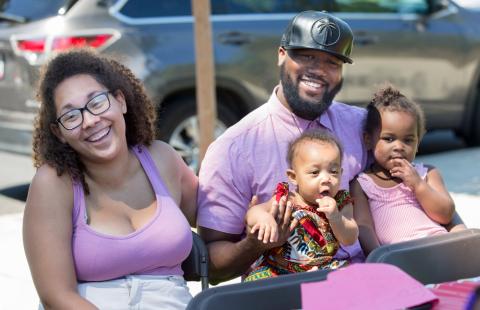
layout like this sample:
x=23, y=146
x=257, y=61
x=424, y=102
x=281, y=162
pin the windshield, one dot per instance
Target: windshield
x=31, y=9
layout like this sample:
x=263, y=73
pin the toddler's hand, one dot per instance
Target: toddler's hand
x=328, y=205
x=405, y=171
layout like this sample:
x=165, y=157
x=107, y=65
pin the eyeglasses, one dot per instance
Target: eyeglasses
x=95, y=106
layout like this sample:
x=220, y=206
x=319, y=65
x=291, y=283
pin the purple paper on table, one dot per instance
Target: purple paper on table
x=365, y=286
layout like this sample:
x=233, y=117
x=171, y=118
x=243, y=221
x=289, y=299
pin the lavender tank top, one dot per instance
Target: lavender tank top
x=396, y=213
x=157, y=248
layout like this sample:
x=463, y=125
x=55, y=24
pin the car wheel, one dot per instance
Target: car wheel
x=178, y=125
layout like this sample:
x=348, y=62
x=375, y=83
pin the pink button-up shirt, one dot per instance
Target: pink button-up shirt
x=250, y=159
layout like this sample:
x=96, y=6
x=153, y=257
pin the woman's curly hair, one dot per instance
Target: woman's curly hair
x=388, y=98
x=139, y=119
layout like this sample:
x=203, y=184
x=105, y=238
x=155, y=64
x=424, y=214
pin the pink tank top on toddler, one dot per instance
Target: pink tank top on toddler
x=157, y=248
x=396, y=213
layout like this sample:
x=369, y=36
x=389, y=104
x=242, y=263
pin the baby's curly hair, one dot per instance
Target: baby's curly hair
x=139, y=119
x=388, y=98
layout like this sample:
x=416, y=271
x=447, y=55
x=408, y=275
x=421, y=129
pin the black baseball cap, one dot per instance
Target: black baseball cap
x=321, y=31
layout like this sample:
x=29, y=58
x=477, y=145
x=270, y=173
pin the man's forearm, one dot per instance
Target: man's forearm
x=232, y=259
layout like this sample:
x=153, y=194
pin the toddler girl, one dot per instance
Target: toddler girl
x=397, y=200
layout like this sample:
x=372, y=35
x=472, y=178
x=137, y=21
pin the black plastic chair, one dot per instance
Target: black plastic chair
x=195, y=267
x=275, y=293
x=435, y=259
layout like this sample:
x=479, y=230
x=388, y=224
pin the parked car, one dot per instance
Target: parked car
x=428, y=48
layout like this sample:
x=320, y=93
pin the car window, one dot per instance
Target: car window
x=382, y=6
x=149, y=8
x=266, y=6
x=31, y=9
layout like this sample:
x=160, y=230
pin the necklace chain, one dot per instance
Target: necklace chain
x=295, y=122
x=298, y=125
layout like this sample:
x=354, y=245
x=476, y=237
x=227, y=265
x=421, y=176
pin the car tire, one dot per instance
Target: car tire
x=177, y=126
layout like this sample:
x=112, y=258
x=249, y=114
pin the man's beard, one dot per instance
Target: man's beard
x=303, y=108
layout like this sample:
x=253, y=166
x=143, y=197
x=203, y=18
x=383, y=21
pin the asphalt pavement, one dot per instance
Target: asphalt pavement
x=459, y=166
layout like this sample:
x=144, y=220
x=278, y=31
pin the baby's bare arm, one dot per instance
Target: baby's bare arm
x=342, y=223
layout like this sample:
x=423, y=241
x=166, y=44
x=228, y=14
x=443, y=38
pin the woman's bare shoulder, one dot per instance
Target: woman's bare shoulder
x=163, y=154
x=159, y=146
x=47, y=175
x=167, y=160
x=48, y=188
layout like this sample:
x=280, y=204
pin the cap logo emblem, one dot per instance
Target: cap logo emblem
x=325, y=32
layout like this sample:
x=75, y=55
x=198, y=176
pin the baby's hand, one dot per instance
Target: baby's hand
x=266, y=227
x=328, y=205
x=405, y=171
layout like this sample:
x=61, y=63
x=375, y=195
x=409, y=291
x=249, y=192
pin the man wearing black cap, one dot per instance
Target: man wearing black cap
x=249, y=159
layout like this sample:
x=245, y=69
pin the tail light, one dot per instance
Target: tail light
x=95, y=41
x=36, y=49
x=34, y=45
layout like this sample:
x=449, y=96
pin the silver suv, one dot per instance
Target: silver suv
x=428, y=48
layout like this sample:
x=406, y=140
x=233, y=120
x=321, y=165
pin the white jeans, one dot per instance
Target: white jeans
x=137, y=292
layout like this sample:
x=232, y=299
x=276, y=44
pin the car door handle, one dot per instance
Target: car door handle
x=233, y=38
x=364, y=39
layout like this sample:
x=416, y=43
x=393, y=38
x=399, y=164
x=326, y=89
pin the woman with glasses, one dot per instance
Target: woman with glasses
x=108, y=215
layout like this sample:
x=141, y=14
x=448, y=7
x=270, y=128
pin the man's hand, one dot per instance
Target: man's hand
x=270, y=222
x=405, y=171
x=282, y=212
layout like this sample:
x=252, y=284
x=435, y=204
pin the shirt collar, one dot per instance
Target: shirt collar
x=325, y=120
x=289, y=118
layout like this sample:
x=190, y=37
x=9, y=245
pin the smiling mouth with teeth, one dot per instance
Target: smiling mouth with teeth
x=313, y=84
x=99, y=135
